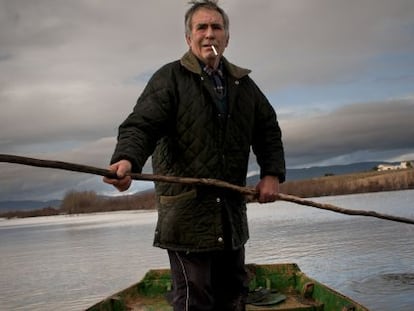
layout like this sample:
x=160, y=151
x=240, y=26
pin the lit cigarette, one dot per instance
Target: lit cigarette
x=214, y=50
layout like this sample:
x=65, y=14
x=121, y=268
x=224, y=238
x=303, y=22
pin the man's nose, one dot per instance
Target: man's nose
x=210, y=32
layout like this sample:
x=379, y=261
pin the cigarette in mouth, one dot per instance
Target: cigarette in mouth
x=214, y=50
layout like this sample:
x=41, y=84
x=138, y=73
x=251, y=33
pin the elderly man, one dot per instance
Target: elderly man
x=199, y=117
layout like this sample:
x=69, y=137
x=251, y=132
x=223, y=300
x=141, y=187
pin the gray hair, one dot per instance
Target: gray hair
x=207, y=4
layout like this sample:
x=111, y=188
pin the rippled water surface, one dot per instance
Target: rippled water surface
x=71, y=262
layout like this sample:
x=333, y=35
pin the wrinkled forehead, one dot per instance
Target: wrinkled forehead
x=205, y=16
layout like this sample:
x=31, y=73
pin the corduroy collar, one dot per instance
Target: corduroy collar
x=191, y=63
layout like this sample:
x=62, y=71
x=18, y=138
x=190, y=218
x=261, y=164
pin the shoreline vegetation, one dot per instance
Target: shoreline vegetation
x=328, y=185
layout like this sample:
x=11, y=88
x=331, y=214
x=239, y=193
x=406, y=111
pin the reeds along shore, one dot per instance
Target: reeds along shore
x=373, y=181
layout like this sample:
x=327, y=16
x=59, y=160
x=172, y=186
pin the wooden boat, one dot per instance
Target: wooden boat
x=272, y=287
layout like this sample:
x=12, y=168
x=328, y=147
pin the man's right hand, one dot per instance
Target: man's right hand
x=121, y=168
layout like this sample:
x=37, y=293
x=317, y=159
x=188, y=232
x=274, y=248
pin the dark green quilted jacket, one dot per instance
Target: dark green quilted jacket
x=176, y=121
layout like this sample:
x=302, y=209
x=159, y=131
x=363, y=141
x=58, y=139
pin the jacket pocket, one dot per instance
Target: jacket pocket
x=184, y=222
x=173, y=199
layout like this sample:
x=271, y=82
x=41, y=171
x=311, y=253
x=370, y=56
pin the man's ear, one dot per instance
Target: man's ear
x=188, y=39
x=227, y=41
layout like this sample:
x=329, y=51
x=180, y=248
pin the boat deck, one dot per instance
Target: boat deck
x=284, y=284
x=293, y=302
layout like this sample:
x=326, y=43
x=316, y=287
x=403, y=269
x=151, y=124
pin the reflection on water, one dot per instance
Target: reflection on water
x=71, y=262
x=385, y=284
x=394, y=291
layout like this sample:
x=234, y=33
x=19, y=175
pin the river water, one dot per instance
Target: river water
x=71, y=262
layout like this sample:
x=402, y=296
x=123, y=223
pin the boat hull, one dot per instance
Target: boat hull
x=287, y=288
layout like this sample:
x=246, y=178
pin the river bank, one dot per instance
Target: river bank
x=363, y=182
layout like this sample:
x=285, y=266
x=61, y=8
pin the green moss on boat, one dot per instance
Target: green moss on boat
x=297, y=291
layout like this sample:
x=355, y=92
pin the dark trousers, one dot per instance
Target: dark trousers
x=214, y=281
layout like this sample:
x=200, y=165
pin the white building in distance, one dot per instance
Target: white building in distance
x=389, y=167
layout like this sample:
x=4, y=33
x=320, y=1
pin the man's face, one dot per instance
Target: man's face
x=207, y=29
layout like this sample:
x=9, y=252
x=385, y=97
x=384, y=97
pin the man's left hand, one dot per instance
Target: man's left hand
x=268, y=189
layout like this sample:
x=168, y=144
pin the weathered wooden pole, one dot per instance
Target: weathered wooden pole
x=194, y=181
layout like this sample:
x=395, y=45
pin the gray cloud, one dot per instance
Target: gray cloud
x=314, y=42
x=369, y=127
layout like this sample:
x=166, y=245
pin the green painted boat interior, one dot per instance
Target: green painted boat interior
x=285, y=287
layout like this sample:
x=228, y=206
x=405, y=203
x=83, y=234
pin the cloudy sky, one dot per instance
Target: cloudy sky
x=339, y=73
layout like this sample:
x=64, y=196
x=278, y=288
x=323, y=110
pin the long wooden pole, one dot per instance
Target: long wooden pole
x=193, y=181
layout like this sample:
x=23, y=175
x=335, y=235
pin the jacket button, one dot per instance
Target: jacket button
x=220, y=240
x=237, y=82
x=218, y=200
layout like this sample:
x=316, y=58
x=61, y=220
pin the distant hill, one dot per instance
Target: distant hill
x=26, y=205
x=292, y=175
x=319, y=171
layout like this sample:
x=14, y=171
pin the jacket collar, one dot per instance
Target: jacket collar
x=191, y=63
